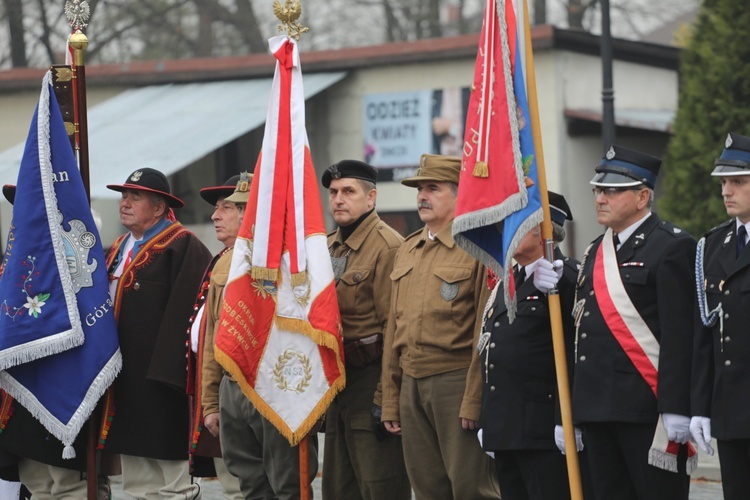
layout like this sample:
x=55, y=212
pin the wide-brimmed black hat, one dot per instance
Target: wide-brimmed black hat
x=151, y=180
x=623, y=167
x=350, y=169
x=735, y=159
x=213, y=193
x=559, y=210
x=9, y=191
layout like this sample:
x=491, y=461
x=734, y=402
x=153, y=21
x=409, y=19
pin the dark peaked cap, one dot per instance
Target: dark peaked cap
x=624, y=167
x=735, y=159
x=558, y=208
x=350, y=169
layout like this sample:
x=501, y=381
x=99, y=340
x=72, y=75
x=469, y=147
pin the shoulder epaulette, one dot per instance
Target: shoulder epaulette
x=721, y=226
x=391, y=237
x=674, y=230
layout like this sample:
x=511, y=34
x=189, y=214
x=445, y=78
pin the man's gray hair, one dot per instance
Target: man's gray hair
x=558, y=232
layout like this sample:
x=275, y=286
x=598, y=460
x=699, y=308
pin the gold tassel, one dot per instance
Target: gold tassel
x=299, y=279
x=265, y=273
x=481, y=170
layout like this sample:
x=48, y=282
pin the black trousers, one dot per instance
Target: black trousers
x=532, y=475
x=734, y=460
x=618, y=462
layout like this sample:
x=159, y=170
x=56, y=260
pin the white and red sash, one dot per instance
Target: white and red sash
x=638, y=342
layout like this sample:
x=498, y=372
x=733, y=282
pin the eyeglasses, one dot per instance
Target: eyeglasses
x=611, y=192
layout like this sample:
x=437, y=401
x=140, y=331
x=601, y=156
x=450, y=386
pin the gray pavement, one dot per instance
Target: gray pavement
x=705, y=485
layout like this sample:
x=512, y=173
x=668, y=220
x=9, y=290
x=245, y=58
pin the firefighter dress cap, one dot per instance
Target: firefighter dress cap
x=623, y=167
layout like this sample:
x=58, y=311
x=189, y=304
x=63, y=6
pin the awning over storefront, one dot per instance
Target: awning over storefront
x=168, y=127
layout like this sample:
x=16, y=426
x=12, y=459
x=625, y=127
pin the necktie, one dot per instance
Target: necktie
x=519, y=276
x=616, y=240
x=741, y=237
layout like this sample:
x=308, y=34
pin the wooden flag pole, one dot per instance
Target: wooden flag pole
x=555, y=316
x=304, y=468
x=77, y=13
x=78, y=42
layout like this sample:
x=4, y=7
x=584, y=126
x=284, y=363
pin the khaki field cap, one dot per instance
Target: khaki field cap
x=436, y=168
x=242, y=190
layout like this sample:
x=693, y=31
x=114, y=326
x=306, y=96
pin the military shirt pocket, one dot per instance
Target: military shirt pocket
x=634, y=275
x=532, y=307
x=400, y=289
x=356, y=283
x=539, y=409
x=452, y=285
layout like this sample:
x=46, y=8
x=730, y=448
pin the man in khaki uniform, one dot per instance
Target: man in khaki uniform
x=361, y=460
x=432, y=387
x=253, y=449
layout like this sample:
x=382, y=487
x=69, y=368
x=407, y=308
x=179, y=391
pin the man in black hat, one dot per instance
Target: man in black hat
x=519, y=397
x=203, y=371
x=362, y=460
x=721, y=373
x=154, y=269
x=634, y=322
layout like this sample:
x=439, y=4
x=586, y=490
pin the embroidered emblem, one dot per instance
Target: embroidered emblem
x=611, y=153
x=136, y=176
x=640, y=236
x=77, y=242
x=335, y=173
x=728, y=142
x=677, y=230
x=448, y=291
x=292, y=372
x=721, y=285
x=728, y=237
x=264, y=288
x=34, y=303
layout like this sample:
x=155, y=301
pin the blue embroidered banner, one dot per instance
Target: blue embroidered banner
x=58, y=336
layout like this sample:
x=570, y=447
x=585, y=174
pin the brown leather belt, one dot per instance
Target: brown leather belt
x=362, y=352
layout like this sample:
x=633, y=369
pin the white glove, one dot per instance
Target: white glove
x=700, y=429
x=480, y=433
x=677, y=427
x=560, y=439
x=547, y=274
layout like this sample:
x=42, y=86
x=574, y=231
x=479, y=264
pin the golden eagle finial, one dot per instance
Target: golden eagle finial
x=288, y=15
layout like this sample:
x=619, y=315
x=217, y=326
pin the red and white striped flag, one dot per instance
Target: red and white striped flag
x=280, y=328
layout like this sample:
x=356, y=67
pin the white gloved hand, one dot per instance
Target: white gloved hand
x=677, y=427
x=700, y=429
x=547, y=274
x=560, y=439
x=480, y=434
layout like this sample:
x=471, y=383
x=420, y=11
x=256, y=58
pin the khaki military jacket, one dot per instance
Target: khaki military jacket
x=212, y=370
x=364, y=290
x=438, y=295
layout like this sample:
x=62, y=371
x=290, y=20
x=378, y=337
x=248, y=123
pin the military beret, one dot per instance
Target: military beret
x=436, y=168
x=623, y=167
x=349, y=169
x=735, y=159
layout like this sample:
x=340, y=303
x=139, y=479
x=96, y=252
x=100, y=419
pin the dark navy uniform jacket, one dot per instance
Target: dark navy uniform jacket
x=519, y=395
x=721, y=375
x=657, y=268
